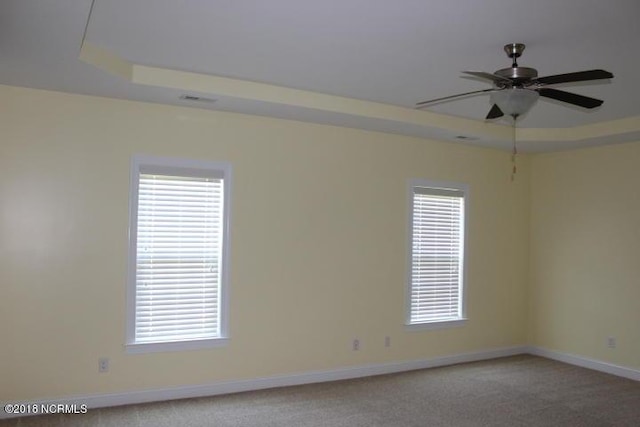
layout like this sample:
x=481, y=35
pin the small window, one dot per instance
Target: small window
x=436, y=291
x=178, y=254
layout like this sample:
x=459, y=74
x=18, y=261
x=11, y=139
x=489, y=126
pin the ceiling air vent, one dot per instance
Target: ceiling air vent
x=466, y=138
x=194, y=98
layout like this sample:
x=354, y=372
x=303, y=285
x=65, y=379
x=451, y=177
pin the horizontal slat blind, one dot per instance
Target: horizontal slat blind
x=436, y=261
x=178, y=258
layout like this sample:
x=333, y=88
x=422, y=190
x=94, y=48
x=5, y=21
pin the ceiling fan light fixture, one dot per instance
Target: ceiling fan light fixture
x=514, y=101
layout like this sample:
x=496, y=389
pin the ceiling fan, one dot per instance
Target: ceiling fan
x=516, y=89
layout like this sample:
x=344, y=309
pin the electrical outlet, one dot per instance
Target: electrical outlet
x=387, y=341
x=611, y=342
x=103, y=365
x=356, y=344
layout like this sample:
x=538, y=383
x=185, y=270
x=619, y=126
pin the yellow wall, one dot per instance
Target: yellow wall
x=318, y=244
x=585, y=246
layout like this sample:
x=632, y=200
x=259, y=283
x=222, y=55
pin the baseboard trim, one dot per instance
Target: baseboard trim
x=585, y=362
x=145, y=396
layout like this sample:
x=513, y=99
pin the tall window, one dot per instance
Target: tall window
x=178, y=240
x=435, y=294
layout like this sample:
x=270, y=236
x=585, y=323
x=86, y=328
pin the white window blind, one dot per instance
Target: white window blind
x=178, y=263
x=436, y=255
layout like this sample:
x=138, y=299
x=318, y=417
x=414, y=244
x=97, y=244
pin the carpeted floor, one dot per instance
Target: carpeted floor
x=513, y=391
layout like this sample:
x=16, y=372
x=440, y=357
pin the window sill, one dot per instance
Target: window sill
x=157, y=347
x=441, y=324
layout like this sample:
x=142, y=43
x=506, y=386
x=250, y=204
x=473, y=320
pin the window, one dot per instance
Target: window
x=178, y=254
x=435, y=294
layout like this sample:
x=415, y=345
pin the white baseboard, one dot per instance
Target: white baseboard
x=584, y=362
x=145, y=396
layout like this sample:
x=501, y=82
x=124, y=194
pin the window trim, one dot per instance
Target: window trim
x=140, y=164
x=436, y=185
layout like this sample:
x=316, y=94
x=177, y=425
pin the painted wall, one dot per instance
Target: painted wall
x=585, y=241
x=318, y=244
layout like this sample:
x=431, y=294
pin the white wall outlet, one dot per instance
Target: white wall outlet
x=103, y=365
x=356, y=344
x=611, y=342
x=387, y=341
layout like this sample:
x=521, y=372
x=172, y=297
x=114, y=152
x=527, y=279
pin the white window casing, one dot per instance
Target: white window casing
x=178, y=254
x=435, y=294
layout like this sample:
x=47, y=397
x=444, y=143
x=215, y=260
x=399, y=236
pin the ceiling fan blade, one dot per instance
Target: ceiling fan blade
x=494, y=113
x=445, y=98
x=579, y=76
x=570, y=98
x=483, y=75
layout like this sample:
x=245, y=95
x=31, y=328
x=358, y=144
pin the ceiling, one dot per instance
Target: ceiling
x=354, y=63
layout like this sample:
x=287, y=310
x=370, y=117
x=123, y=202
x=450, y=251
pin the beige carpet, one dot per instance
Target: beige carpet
x=513, y=391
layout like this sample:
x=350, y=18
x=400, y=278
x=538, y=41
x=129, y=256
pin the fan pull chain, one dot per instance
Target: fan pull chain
x=514, y=152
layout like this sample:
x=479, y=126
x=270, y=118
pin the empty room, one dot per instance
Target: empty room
x=337, y=213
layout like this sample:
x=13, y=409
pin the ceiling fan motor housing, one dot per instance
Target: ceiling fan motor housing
x=519, y=74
